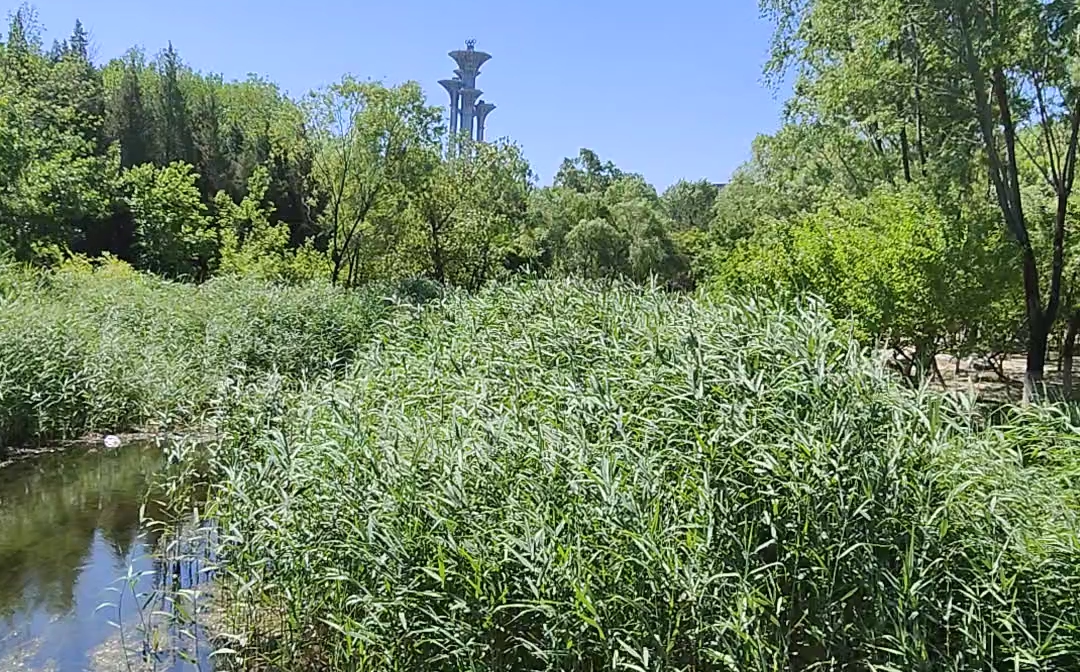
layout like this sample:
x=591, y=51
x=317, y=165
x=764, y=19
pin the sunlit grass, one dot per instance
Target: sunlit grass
x=112, y=350
x=556, y=475
x=559, y=476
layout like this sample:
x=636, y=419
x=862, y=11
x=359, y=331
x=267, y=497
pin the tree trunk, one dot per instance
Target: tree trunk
x=438, y=260
x=1068, y=348
x=905, y=154
x=335, y=275
x=354, y=267
x=925, y=362
x=1036, y=359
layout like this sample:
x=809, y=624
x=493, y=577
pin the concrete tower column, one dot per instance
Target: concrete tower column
x=469, y=61
x=482, y=111
x=468, y=109
x=453, y=87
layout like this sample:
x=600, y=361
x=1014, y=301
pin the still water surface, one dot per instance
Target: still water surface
x=70, y=527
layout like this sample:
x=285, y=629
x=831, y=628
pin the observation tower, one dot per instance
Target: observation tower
x=467, y=111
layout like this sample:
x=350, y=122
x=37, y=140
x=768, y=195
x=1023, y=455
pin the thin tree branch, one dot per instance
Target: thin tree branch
x=1047, y=125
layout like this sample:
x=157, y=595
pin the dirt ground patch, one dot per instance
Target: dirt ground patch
x=964, y=375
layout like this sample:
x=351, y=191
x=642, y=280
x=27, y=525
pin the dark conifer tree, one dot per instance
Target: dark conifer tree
x=176, y=139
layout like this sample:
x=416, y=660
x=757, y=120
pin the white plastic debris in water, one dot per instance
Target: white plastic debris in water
x=112, y=441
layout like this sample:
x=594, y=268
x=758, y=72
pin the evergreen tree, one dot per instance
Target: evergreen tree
x=76, y=85
x=211, y=162
x=57, y=51
x=176, y=140
x=79, y=42
x=128, y=120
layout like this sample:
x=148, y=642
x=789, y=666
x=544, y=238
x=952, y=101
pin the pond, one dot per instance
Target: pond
x=79, y=587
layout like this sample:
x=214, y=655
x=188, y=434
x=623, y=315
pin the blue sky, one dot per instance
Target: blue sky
x=667, y=89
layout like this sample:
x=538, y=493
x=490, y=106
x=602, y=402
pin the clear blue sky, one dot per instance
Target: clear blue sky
x=667, y=89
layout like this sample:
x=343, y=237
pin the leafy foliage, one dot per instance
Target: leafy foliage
x=597, y=221
x=950, y=95
x=889, y=262
x=184, y=174
x=689, y=205
x=250, y=243
x=172, y=231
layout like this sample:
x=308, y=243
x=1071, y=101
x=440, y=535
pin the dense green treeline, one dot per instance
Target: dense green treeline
x=186, y=175
x=78, y=134
x=934, y=213
x=923, y=180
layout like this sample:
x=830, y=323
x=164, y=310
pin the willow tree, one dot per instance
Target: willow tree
x=951, y=86
x=468, y=205
x=369, y=141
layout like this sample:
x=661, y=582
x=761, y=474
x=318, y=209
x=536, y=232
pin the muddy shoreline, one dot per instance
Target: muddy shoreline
x=95, y=441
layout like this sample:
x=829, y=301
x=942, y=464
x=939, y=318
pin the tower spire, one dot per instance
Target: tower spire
x=467, y=114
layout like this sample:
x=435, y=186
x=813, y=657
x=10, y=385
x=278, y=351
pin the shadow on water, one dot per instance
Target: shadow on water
x=72, y=540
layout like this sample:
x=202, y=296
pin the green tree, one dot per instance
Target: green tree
x=552, y=213
x=128, y=121
x=596, y=249
x=650, y=252
x=370, y=141
x=212, y=161
x=260, y=126
x=907, y=274
x=250, y=243
x=992, y=69
x=587, y=173
x=468, y=206
x=59, y=176
x=564, y=231
x=173, y=235
x=689, y=205
x=175, y=118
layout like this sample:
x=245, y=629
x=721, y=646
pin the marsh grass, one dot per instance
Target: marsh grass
x=563, y=476
x=557, y=476
x=109, y=350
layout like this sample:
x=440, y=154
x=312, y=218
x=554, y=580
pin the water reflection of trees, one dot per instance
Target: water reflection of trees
x=50, y=510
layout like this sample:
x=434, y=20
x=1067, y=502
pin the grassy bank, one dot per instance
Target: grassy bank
x=564, y=477
x=110, y=350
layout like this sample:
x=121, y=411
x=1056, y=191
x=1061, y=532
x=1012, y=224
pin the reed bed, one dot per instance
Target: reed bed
x=565, y=476
x=106, y=349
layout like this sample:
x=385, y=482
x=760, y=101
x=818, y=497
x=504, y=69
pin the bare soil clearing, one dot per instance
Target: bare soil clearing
x=989, y=384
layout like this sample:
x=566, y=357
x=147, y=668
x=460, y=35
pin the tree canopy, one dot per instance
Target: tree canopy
x=184, y=174
x=922, y=180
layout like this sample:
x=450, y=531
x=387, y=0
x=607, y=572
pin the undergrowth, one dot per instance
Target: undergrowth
x=566, y=476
